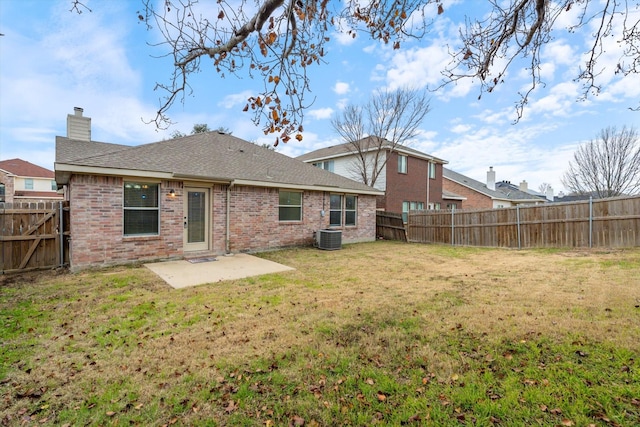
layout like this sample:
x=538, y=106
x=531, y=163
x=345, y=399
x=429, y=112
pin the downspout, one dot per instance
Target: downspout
x=428, y=180
x=228, y=221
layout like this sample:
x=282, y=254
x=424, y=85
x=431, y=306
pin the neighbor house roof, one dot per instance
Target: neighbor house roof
x=514, y=193
x=471, y=183
x=22, y=168
x=211, y=156
x=347, y=149
x=503, y=191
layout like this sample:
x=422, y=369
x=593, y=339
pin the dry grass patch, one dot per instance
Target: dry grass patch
x=383, y=332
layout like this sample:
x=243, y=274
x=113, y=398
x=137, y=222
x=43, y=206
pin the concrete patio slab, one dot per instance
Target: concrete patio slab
x=182, y=273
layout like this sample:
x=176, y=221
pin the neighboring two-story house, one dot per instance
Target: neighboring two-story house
x=22, y=181
x=489, y=195
x=411, y=180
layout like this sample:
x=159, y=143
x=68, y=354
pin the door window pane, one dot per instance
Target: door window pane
x=196, y=216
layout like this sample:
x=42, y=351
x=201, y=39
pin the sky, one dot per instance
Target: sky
x=104, y=61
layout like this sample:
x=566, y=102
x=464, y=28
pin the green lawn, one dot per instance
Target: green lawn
x=378, y=333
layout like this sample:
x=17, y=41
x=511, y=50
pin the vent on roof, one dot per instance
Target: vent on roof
x=329, y=240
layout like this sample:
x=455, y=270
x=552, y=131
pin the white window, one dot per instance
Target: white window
x=350, y=210
x=141, y=209
x=343, y=210
x=28, y=183
x=432, y=170
x=405, y=211
x=290, y=206
x=326, y=165
x=54, y=186
x=452, y=206
x=414, y=206
x=335, y=210
x=402, y=163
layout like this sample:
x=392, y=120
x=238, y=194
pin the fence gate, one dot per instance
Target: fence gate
x=33, y=236
x=389, y=226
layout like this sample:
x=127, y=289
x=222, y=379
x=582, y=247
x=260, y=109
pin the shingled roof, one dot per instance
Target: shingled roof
x=210, y=156
x=22, y=168
x=501, y=193
x=346, y=149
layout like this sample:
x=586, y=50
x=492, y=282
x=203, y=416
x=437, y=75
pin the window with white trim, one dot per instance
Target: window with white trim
x=350, y=210
x=414, y=206
x=28, y=183
x=402, y=163
x=141, y=208
x=326, y=165
x=335, y=210
x=290, y=206
x=54, y=186
x=343, y=209
x=432, y=170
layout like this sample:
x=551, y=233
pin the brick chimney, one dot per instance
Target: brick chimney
x=78, y=127
x=491, y=179
x=524, y=187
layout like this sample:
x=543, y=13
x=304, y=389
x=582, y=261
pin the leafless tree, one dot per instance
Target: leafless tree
x=607, y=166
x=519, y=29
x=277, y=41
x=542, y=188
x=390, y=119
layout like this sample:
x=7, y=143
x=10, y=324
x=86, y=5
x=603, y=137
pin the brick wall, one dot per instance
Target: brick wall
x=96, y=217
x=474, y=200
x=97, y=222
x=8, y=182
x=255, y=225
x=412, y=186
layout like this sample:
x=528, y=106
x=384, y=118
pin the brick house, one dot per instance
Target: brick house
x=409, y=178
x=203, y=193
x=22, y=181
x=489, y=195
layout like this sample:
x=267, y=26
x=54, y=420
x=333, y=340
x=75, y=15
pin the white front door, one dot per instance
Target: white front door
x=196, y=219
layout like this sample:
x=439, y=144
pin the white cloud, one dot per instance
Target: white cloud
x=235, y=99
x=461, y=128
x=341, y=88
x=320, y=113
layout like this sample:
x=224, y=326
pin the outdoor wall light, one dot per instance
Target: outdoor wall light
x=172, y=193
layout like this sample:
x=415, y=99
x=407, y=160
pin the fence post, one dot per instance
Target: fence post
x=590, y=221
x=518, y=221
x=452, y=227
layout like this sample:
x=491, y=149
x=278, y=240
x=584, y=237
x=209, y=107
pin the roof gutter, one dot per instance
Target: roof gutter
x=314, y=187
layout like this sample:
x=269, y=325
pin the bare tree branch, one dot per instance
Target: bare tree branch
x=390, y=119
x=519, y=29
x=607, y=166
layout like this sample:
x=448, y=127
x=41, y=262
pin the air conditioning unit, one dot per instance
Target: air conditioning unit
x=329, y=240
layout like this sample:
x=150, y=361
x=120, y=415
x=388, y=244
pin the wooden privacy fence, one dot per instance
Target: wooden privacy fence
x=33, y=236
x=389, y=226
x=611, y=222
